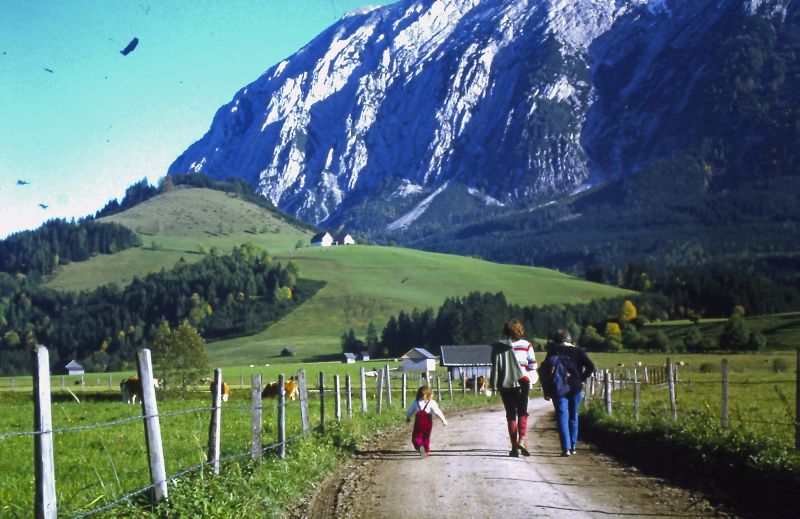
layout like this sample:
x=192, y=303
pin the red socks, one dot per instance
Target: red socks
x=512, y=432
x=523, y=427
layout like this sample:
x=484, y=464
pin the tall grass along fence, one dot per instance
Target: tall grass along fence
x=673, y=391
x=45, y=502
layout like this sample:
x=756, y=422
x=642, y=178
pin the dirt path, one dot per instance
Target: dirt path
x=469, y=474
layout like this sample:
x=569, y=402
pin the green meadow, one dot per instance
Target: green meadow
x=782, y=331
x=762, y=390
x=96, y=465
x=363, y=283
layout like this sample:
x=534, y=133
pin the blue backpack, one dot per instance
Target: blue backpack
x=555, y=375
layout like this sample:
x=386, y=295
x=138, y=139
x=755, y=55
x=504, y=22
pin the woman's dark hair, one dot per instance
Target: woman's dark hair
x=562, y=335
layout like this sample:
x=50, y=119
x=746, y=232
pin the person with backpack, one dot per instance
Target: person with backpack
x=513, y=373
x=562, y=374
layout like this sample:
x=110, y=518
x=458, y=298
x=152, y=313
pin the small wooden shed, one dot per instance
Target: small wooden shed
x=73, y=367
x=467, y=360
x=419, y=359
x=349, y=358
x=364, y=355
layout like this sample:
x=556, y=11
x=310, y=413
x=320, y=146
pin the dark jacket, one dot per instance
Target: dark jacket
x=580, y=365
x=505, y=367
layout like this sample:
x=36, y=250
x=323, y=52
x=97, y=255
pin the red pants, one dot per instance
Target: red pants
x=421, y=436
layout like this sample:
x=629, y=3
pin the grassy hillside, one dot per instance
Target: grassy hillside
x=782, y=331
x=364, y=283
x=371, y=283
x=181, y=223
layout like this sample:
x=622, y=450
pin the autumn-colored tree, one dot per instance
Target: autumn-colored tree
x=613, y=328
x=628, y=311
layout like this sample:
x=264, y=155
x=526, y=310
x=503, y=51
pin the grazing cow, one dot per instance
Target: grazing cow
x=131, y=387
x=226, y=390
x=483, y=385
x=290, y=389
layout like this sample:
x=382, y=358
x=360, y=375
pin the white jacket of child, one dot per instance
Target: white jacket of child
x=419, y=405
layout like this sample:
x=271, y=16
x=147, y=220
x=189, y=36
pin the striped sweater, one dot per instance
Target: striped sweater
x=523, y=351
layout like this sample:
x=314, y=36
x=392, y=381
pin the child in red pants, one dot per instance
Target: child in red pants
x=423, y=407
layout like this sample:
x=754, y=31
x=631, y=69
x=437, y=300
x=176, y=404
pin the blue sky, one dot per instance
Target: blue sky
x=100, y=120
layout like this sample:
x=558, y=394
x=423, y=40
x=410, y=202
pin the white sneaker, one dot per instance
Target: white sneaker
x=565, y=454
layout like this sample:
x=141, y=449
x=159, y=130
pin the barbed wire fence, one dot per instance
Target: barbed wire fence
x=621, y=388
x=45, y=487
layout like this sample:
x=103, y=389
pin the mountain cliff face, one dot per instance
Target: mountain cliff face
x=440, y=112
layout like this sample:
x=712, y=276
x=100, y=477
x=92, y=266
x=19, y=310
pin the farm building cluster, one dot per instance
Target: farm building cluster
x=462, y=361
x=325, y=239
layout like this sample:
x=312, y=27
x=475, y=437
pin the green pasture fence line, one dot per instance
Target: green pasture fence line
x=604, y=383
x=45, y=504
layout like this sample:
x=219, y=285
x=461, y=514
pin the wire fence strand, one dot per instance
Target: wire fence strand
x=179, y=474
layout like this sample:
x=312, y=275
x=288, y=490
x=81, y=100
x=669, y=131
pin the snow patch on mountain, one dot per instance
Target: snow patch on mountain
x=407, y=219
x=488, y=200
x=406, y=189
x=560, y=90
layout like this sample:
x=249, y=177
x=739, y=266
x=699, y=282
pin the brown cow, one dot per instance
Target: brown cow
x=289, y=387
x=226, y=390
x=131, y=387
x=483, y=385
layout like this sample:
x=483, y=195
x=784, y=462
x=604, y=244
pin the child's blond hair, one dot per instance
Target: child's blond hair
x=424, y=392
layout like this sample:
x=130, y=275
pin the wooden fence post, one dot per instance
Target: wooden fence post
x=257, y=417
x=303, y=387
x=725, y=380
x=380, y=390
x=349, y=390
x=62, y=383
x=450, y=383
x=363, y=392
x=241, y=380
x=671, y=382
x=438, y=388
x=215, y=426
x=322, y=401
x=110, y=383
x=152, y=426
x=45, y=507
x=636, y=397
x=405, y=386
x=646, y=377
x=475, y=386
x=388, y=388
x=337, y=399
x=607, y=391
x=282, y=416
x=463, y=386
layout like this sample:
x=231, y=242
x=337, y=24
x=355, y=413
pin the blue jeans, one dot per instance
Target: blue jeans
x=567, y=419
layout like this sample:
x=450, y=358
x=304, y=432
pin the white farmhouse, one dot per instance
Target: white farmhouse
x=344, y=239
x=419, y=359
x=322, y=239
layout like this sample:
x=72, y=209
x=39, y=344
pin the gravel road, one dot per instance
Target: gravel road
x=469, y=474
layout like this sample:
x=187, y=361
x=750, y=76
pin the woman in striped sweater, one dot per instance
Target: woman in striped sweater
x=513, y=373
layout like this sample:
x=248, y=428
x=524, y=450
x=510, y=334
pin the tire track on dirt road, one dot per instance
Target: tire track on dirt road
x=469, y=474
